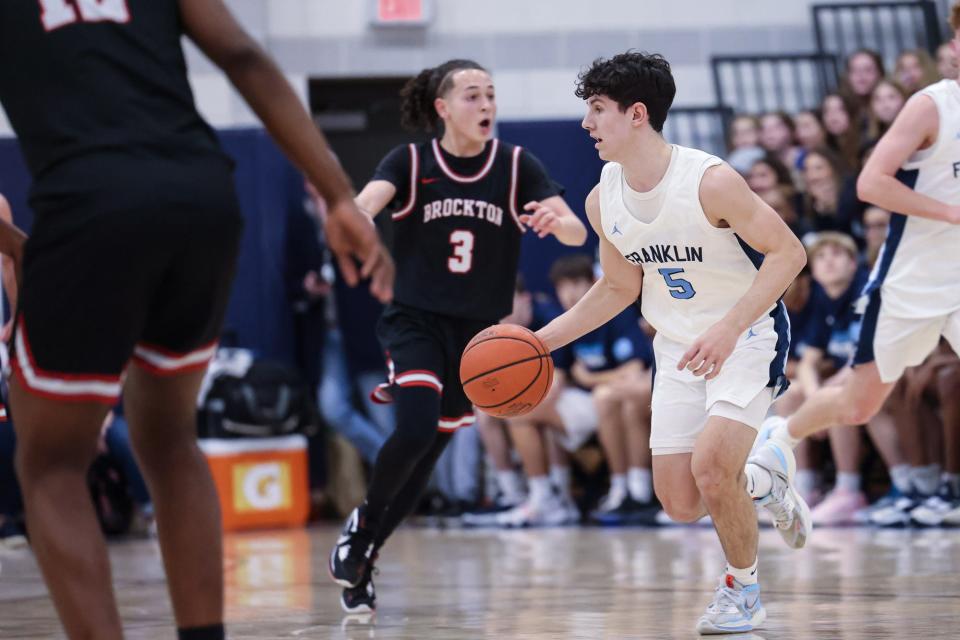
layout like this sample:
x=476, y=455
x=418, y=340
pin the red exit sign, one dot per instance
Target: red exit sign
x=402, y=12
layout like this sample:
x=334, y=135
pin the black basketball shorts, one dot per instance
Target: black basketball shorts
x=104, y=287
x=423, y=350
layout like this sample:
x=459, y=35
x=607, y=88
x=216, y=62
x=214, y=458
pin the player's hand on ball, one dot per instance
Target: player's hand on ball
x=542, y=219
x=708, y=352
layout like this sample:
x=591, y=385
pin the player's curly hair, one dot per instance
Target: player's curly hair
x=417, y=112
x=627, y=78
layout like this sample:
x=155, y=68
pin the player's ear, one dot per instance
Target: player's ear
x=638, y=113
x=441, y=106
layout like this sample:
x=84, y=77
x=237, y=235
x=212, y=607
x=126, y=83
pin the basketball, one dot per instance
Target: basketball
x=506, y=371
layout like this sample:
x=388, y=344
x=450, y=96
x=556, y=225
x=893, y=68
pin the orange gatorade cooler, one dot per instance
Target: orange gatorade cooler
x=262, y=482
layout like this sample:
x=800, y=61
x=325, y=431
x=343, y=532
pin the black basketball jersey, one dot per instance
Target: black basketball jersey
x=82, y=77
x=456, y=236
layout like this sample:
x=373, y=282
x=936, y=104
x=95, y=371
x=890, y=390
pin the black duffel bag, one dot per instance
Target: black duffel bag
x=270, y=399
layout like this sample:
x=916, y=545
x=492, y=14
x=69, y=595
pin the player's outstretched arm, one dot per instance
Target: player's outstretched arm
x=612, y=293
x=554, y=215
x=375, y=196
x=915, y=128
x=349, y=233
x=726, y=198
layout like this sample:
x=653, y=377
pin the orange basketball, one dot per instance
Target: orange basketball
x=506, y=371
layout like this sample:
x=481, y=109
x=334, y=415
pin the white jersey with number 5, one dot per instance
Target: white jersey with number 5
x=693, y=272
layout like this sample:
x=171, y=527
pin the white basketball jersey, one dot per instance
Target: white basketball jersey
x=919, y=266
x=693, y=272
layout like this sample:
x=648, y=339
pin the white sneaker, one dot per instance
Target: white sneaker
x=735, y=609
x=791, y=515
x=548, y=514
x=766, y=431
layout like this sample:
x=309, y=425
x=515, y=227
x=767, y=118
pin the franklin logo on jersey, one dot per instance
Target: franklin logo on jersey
x=662, y=253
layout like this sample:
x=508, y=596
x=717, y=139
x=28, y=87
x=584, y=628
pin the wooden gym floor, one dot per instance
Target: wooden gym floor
x=548, y=583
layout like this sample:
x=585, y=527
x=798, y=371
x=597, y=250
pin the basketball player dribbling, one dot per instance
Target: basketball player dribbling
x=460, y=203
x=712, y=261
x=128, y=270
x=912, y=297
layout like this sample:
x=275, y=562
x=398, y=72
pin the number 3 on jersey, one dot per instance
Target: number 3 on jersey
x=462, y=259
x=58, y=13
x=679, y=288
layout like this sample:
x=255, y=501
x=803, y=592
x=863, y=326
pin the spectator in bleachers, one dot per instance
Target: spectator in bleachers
x=875, y=224
x=781, y=199
x=886, y=101
x=947, y=64
x=810, y=131
x=915, y=69
x=743, y=143
x=830, y=202
x=777, y=132
x=864, y=69
x=839, y=112
x=769, y=173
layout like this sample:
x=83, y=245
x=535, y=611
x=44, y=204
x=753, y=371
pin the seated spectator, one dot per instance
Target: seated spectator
x=876, y=221
x=777, y=137
x=533, y=312
x=914, y=70
x=115, y=442
x=947, y=64
x=839, y=112
x=783, y=200
x=886, y=101
x=830, y=202
x=743, y=143
x=769, y=173
x=864, y=69
x=810, y=132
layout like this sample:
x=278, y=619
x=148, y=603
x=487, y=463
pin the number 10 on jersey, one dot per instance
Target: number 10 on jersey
x=58, y=13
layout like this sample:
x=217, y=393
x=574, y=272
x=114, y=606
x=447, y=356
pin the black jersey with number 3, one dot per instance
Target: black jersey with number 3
x=457, y=226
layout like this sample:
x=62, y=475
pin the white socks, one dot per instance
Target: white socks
x=541, y=491
x=805, y=481
x=847, y=481
x=745, y=576
x=926, y=479
x=560, y=476
x=900, y=476
x=510, y=485
x=759, y=482
x=782, y=433
x=640, y=482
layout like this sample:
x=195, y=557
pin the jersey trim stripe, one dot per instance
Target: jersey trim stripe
x=162, y=362
x=60, y=386
x=448, y=425
x=412, y=198
x=419, y=378
x=514, y=172
x=456, y=177
x=898, y=222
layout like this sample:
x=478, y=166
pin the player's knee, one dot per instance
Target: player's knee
x=712, y=477
x=682, y=509
x=418, y=416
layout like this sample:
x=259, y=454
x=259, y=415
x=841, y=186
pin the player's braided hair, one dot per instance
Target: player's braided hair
x=417, y=112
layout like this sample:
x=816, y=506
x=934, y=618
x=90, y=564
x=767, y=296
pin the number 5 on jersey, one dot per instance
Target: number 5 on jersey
x=679, y=288
x=462, y=259
x=58, y=13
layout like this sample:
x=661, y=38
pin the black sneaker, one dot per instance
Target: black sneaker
x=642, y=513
x=612, y=511
x=363, y=597
x=350, y=557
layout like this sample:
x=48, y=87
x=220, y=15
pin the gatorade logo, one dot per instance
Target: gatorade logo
x=261, y=486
